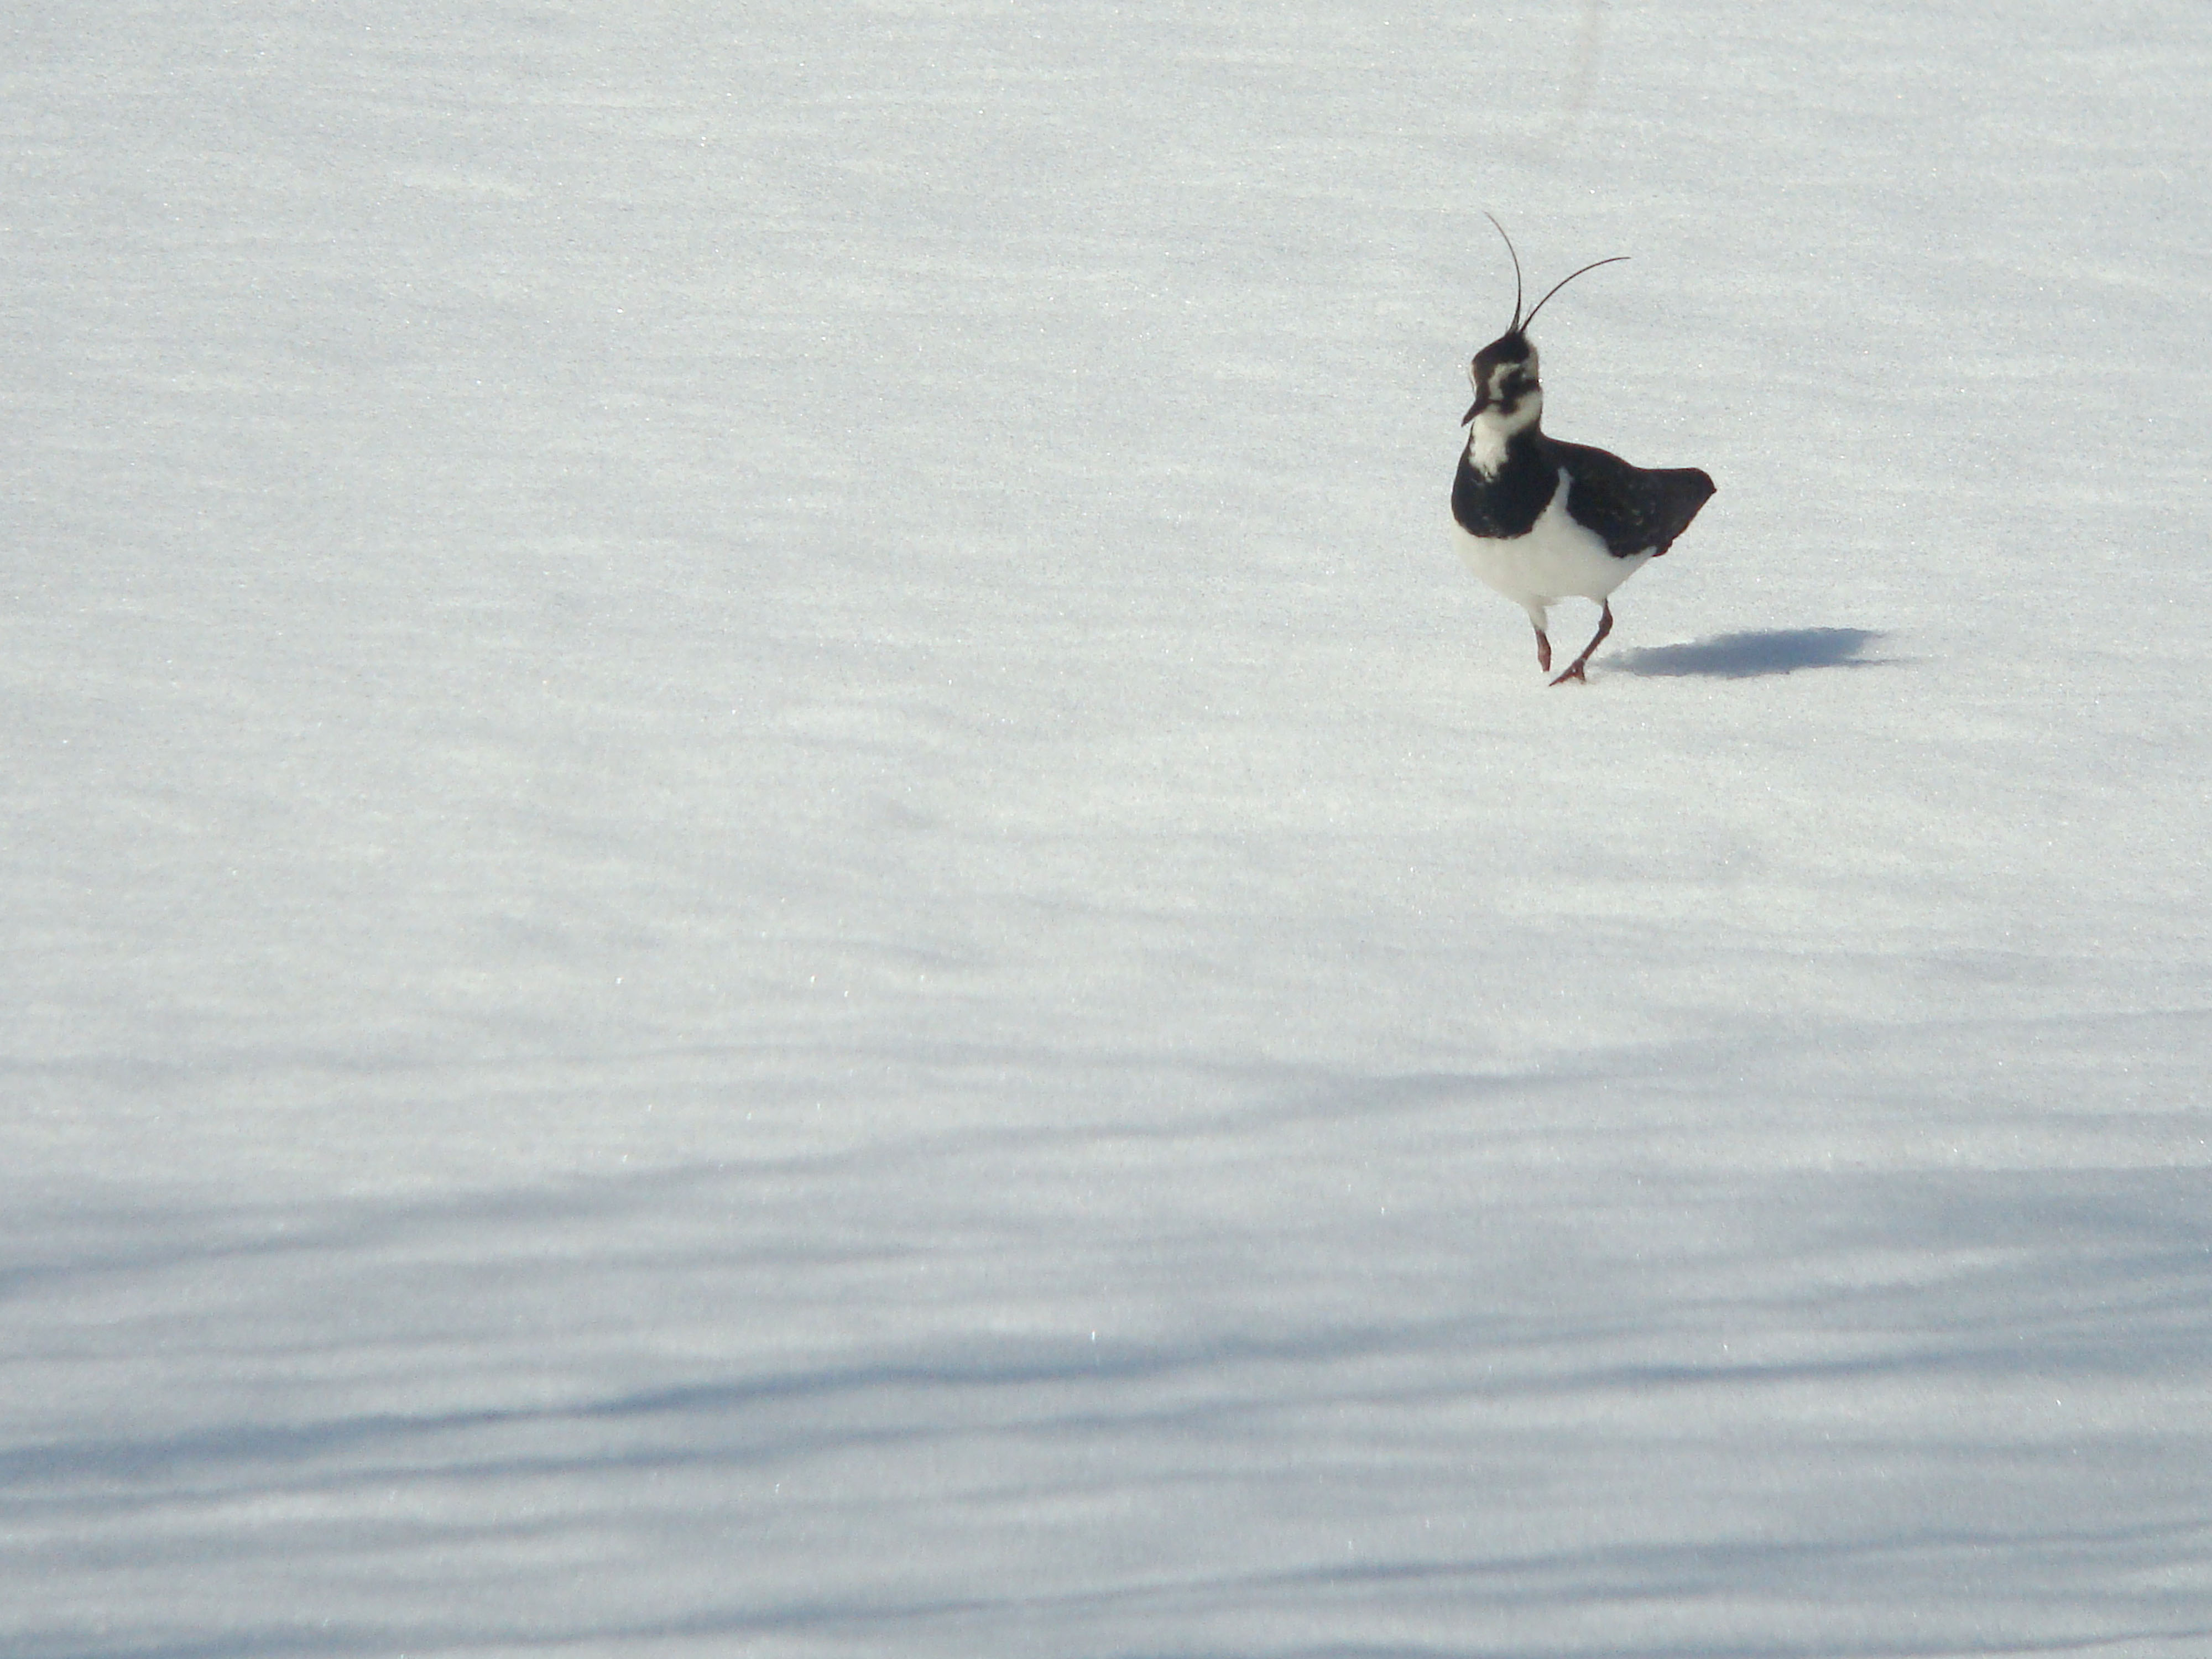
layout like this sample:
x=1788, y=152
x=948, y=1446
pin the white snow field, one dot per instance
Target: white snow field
x=767, y=891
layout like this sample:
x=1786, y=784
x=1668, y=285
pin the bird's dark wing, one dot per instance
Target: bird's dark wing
x=1631, y=508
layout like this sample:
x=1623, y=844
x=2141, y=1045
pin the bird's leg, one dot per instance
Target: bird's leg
x=1543, y=650
x=1604, y=628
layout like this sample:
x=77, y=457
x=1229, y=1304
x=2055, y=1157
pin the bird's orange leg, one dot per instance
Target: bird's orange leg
x=1604, y=628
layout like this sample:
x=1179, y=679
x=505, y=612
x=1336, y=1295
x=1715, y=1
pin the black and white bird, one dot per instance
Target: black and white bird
x=1540, y=520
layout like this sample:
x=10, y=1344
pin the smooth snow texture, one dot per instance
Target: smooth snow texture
x=769, y=891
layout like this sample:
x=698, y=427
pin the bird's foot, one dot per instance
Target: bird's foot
x=1604, y=628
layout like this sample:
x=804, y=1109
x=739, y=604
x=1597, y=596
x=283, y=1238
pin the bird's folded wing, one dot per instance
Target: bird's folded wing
x=1631, y=508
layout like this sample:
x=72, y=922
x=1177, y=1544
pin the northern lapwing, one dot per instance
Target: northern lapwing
x=1540, y=520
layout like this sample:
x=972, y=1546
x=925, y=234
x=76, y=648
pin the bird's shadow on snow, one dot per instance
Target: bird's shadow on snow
x=1749, y=655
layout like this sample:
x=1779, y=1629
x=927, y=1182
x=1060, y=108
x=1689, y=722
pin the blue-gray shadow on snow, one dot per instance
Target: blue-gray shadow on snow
x=1749, y=655
x=2071, y=1282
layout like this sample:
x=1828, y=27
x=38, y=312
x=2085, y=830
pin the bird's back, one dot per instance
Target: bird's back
x=1631, y=508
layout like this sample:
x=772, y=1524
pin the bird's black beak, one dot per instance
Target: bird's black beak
x=1481, y=402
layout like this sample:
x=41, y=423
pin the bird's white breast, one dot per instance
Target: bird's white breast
x=1558, y=559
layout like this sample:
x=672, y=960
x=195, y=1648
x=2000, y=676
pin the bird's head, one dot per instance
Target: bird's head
x=1504, y=372
x=1506, y=384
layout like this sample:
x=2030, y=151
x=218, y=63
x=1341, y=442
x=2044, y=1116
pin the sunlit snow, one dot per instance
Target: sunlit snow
x=768, y=889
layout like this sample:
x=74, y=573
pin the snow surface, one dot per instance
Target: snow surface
x=767, y=888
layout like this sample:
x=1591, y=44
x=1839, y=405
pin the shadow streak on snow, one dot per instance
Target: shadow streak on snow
x=851, y=1402
x=1752, y=655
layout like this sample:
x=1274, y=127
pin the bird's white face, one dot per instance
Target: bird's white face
x=1508, y=399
